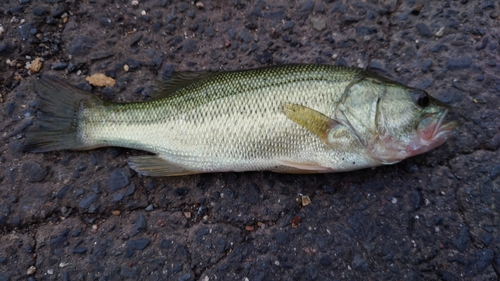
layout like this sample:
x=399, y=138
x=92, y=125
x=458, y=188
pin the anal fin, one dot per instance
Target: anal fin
x=291, y=167
x=153, y=165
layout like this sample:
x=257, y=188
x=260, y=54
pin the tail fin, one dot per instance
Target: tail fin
x=56, y=125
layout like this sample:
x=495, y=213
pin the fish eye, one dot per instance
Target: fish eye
x=423, y=101
x=420, y=98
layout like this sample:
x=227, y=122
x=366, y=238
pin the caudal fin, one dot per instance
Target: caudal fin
x=56, y=125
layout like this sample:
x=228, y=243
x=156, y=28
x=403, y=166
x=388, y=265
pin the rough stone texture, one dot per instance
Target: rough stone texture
x=86, y=216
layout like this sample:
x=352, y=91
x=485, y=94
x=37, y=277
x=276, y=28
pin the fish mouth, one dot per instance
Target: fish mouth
x=445, y=129
x=433, y=130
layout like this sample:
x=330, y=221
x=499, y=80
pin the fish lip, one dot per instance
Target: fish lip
x=439, y=132
x=444, y=129
x=447, y=129
x=442, y=115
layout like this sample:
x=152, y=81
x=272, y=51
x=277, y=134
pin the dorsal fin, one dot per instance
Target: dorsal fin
x=179, y=80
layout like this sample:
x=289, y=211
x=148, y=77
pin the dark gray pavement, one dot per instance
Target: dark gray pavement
x=87, y=216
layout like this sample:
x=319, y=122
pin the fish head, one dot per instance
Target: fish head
x=408, y=122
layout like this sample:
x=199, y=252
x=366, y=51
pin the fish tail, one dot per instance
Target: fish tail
x=57, y=124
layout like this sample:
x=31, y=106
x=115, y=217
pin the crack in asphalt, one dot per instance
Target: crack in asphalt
x=313, y=194
x=245, y=237
x=461, y=208
x=35, y=243
x=462, y=211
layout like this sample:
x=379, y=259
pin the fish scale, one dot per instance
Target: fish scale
x=239, y=135
x=292, y=118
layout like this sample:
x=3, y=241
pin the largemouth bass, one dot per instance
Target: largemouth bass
x=291, y=118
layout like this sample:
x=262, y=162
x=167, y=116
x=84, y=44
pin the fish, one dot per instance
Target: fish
x=298, y=118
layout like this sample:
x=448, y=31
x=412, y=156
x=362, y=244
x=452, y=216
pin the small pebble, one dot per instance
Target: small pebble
x=426, y=64
x=288, y=25
x=325, y=260
x=140, y=223
x=440, y=32
x=117, y=197
x=126, y=67
x=306, y=200
x=281, y=237
x=31, y=270
x=318, y=24
x=306, y=7
x=35, y=65
x=139, y=244
x=118, y=180
x=81, y=45
x=104, y=21
x=423, y=30
x=462, y=239
x=4, y=48
x=34, y=172
x=484, y=259
x=86, y=201
x=458, y=63
x=59, y=66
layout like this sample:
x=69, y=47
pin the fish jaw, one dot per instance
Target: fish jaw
x=431, y=132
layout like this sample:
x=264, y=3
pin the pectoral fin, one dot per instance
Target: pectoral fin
x=152, y=165
x=311, y=120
